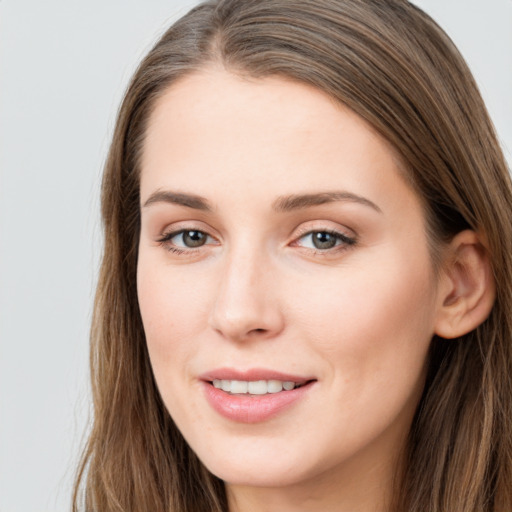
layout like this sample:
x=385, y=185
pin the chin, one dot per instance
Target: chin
x=269, y=476
x=259, y=466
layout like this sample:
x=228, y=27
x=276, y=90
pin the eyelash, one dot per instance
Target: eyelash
x=165, y=241
x=343, y=242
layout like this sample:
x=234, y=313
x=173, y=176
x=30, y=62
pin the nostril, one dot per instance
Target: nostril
x=258, y=331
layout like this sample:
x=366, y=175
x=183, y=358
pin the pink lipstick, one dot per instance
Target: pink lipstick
x=255, y=395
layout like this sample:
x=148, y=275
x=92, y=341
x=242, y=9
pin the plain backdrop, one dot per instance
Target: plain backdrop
x=64, y=65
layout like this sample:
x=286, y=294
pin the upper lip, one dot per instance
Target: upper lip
x=252, y=374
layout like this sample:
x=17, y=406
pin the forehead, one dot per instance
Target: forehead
x=266, y=112
x=213, y=127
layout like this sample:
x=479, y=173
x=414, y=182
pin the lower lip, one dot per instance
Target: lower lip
x=253, y=408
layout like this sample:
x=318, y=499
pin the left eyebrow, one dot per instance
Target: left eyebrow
x=301, y=201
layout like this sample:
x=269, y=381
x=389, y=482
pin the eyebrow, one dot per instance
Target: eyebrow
x=281, y=204
x=188, y=200
x=301, y=201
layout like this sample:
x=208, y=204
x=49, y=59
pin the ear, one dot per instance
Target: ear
x=466, y=289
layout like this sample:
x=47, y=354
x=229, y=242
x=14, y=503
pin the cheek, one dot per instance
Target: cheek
x=370, y=330
x=172, y=304
x=371, y=319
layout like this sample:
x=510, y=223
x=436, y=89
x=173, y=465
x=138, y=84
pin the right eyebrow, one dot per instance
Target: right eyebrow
x=188, y=200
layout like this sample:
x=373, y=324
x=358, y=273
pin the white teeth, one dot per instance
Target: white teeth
x=288, y=385
x=239, y=386
x=255, y=387
x=274, y=386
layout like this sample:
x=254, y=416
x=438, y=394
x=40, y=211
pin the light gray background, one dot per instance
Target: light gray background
x=63, y=67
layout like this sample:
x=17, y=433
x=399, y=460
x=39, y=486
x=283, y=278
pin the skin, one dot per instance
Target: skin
x=358, y=317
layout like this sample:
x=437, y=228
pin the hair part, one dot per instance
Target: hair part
x=391, y=64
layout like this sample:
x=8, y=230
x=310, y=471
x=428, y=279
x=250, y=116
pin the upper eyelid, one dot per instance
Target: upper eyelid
x=165, y=242
x=167, y=235
x=329, y=231
x=302, y=230
x=340, y=230
x=346, y=240
x=181, y=226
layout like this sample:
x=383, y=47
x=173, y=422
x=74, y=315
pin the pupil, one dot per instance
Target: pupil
x=324, y=240
x=194, y=238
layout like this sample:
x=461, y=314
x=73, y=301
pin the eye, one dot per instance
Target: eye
x=180, y=241
x=324, y=240
x=190, y=238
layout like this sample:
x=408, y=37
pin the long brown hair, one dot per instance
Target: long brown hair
x=391, y=64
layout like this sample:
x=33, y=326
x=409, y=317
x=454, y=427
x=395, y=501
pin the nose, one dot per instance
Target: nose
x=246, y=305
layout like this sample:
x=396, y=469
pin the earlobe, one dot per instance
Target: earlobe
x=467, y=288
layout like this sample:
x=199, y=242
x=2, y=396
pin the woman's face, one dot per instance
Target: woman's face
x=281, y=247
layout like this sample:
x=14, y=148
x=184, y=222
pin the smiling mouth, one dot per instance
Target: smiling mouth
x=255, y=387
x=249, y=397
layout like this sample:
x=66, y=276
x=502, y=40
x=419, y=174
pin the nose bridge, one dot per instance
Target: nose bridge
x=246, y=304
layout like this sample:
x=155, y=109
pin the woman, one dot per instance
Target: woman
x=305, y=296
